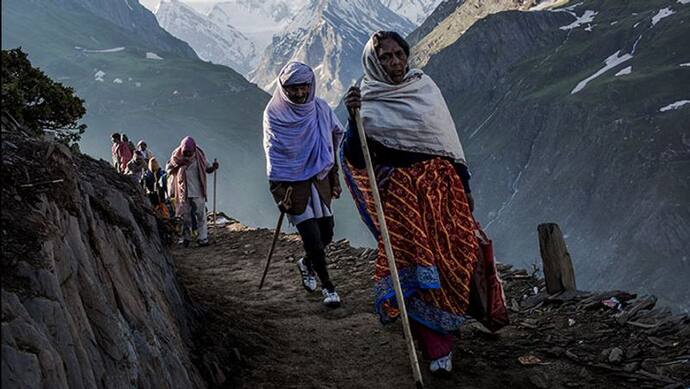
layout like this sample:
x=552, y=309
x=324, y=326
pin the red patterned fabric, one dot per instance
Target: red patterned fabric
x=430, y=225
x=488, y=302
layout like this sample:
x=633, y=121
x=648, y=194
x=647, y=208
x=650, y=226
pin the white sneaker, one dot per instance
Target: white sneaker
x=331, y=299
x=308, y=277
x=442, y=365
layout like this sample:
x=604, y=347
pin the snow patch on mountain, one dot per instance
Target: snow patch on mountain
x=674, y=106
x=684, y=1
x=624, y=71
x=611, y=62
x=587, y=17
x=150, y=55
x=113, y=50
x=98, y=76
x=663, y=13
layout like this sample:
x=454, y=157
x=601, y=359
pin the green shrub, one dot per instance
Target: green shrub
x=37, y=102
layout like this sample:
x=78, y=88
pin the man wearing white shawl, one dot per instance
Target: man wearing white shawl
x=424, y=182
x=301, y=140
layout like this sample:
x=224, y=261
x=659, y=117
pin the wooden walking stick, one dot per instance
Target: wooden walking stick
x=214, y=197
x=286, y=202
x=414, y=361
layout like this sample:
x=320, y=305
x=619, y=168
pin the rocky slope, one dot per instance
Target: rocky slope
x=219, y=43
x=550, y=110
x=328, y=35
x=89, y=294
x=449, y=21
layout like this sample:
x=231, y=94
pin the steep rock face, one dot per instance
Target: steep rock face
x=440, y=13
x=549, y=109
x=443, y=27
x=328, y=36
x=89, y=295
x=133, y=17
x=219, y=43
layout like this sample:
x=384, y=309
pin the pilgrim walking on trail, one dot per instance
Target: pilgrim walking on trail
x=424, y=183
x=142, y=147
x=301, y=140
x=121, y=153
x=189, y=166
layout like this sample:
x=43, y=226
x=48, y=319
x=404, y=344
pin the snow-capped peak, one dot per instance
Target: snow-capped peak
x=215, y=42
x=259, y=20
x=414, y=10
x=329, y=36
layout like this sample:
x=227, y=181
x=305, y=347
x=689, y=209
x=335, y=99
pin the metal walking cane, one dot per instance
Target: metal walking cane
x=214, y=198
x=286, y=202
x=414, y=361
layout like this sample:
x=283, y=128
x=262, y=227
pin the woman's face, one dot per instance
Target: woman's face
x=298, y=93
x=393, y=59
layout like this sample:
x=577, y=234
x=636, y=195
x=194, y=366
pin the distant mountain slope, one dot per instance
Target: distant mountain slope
x=328, y=35
x=130, y=16
x=449, y=21
x=134, y=86
x=439, y=14
x=216, y=42
x=580, y=117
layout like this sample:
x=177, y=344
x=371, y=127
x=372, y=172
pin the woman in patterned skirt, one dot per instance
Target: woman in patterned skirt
x=424, y=183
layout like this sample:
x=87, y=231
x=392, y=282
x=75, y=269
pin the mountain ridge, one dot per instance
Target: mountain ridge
x=554, y=131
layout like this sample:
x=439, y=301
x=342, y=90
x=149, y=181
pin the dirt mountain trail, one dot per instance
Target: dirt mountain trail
x=283, y=337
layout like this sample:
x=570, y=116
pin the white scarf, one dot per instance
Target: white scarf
x=410, y=116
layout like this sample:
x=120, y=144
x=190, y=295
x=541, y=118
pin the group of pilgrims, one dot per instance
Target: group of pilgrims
x=180, y=189
x=420, y=170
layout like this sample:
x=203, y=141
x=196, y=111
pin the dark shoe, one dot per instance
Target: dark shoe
x=185, y=243
x=203, y=243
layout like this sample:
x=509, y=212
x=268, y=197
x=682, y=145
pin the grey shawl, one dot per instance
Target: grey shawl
x=410, y=116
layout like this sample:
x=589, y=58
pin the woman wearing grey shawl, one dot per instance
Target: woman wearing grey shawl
x=301, y=138
x=424, y=183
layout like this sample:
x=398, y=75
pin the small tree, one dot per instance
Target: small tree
x=37, y=102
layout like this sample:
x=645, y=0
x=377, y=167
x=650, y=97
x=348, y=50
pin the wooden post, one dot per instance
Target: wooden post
x=558, y=267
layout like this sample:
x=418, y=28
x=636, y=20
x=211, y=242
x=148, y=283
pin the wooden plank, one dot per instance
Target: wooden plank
x=558, y=267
